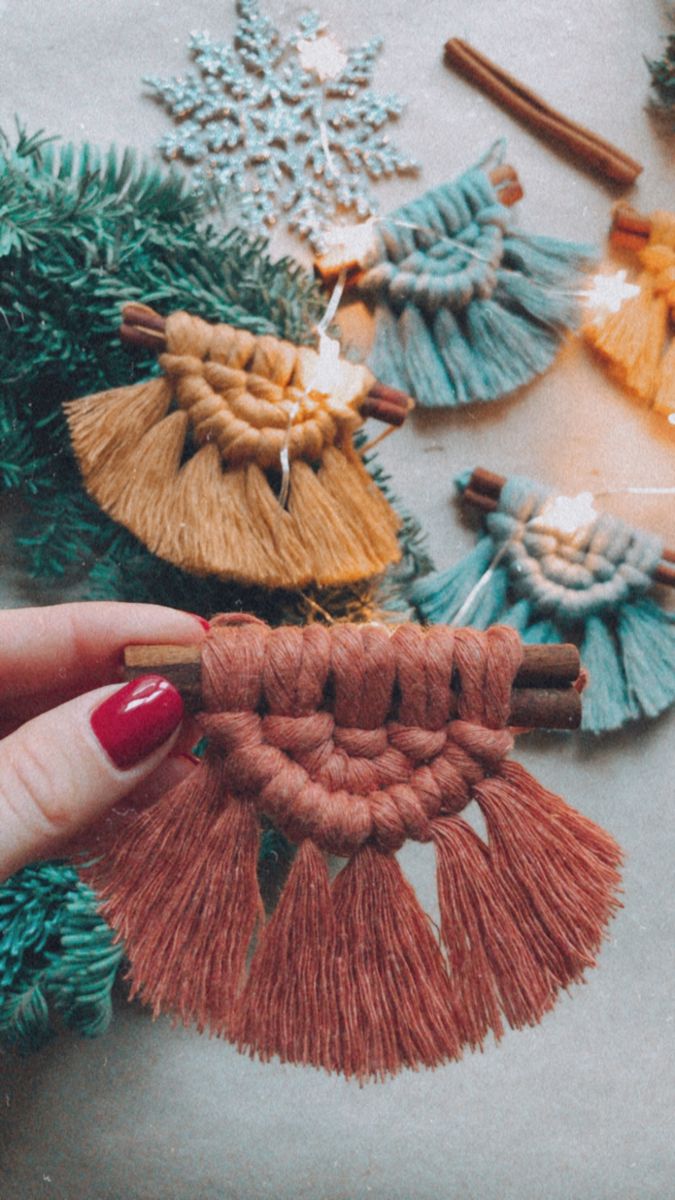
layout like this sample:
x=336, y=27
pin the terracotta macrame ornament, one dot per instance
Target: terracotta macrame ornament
x=352, y=740
x=195, y=463
x=636, y=338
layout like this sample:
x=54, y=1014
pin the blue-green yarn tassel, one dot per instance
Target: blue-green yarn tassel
x=387, y=356
x=57, y=956
x=466, y=307
x=589, y=587
x=647, y=638
x=607, y=703
x=439, y=596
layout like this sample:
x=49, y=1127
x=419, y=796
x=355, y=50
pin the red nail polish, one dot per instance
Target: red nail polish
x=137, y=719
x=202, y=620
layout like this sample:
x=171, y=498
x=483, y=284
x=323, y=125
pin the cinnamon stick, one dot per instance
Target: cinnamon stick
x=630, y=229
x=143, y=327
x=592, y=150
x=483, y=492
x=543, y=696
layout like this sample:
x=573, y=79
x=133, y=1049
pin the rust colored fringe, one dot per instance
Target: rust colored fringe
x=393, y=991
x=288, y=1007
x=180, y=887
x=493, y=970
x=558, y=869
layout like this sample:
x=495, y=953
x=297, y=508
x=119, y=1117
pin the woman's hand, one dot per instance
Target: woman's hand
x=71, y=746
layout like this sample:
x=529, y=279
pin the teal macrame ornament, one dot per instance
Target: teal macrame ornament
x=57, y=957
x=590, y=587
x=466, y=307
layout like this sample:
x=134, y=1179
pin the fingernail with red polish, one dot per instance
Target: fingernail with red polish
x=137, y=719
x=202, y=620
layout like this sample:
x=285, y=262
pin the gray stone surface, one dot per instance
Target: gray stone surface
x=580, y=1107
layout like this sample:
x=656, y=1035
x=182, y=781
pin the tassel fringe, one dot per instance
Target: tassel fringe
x=493, y=970
x=338, y=527
x=466, y=309
x=352, y=978
x=180, y=888
x=393, y=991
x=558, y=870
x=635, y=340
x=289, y=1007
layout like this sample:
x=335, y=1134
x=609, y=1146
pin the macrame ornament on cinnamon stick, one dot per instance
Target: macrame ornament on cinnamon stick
x=587, y=580
x=466, y=306
x=194, y=462
x=636, y=340
x=352, y=740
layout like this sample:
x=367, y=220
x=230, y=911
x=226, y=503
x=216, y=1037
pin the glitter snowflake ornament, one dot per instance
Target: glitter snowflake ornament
x=284, y=124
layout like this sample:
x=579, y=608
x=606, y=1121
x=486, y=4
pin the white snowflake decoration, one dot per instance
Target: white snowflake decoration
x=264, y=123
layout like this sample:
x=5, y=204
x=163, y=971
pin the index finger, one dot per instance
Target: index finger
x=68, y=648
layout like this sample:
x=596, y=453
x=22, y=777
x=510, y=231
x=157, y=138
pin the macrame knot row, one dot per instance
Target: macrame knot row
x=254, y=396
x=352, y=735
x=441, y=251
x=466, y=306
x=237, y=463
x=569, y=575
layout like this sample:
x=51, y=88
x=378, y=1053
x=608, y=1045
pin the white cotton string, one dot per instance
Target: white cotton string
x=637, y=491
x=463, y=611
x=284, y=457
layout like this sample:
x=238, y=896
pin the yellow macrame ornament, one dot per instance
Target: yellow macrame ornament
x=195, y=462
x=637, y=340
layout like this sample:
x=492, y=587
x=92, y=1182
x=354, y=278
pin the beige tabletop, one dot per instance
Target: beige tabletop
x=582, y=1105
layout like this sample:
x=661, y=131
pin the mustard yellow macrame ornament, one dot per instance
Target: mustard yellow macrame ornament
x=637, y=341
x=196, y=462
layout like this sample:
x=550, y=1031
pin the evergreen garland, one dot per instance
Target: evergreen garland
x=80, y=234
x=57, y=956
x=662, y=71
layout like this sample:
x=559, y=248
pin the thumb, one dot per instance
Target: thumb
x=64, y=769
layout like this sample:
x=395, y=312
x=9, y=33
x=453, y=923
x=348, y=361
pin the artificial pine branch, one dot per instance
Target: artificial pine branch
x=57, y=956
x=662, y=71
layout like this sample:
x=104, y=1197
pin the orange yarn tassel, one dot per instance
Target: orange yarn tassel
x=558, y=870
x=635, y=341
x=195, y=463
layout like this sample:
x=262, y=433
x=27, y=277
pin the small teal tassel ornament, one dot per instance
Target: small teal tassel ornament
x=553, y=583
x=57, y=957
x=466, y=307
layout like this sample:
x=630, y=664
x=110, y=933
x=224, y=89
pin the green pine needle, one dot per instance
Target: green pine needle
x=663, y=80
x=56, y=957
